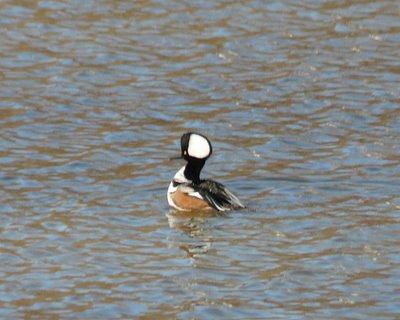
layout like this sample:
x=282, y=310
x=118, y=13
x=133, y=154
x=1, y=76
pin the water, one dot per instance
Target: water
x=301, y=103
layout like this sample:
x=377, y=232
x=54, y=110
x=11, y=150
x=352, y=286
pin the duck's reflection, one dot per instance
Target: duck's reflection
x=192, y=224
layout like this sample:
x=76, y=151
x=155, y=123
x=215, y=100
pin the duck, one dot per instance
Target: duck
x=186, y=191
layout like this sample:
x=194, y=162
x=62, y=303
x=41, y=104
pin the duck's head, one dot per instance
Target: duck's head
x=195, y=149
x=195, y=146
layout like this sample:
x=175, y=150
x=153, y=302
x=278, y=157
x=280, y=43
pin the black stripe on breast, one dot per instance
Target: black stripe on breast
x=176, y=183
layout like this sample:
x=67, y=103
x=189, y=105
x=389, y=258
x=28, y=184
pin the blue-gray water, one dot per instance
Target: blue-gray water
x=301, y=102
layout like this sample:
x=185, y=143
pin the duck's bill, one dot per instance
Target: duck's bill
x=176, y=158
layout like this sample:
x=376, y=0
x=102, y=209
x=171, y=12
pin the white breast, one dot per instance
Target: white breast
x=180, y=178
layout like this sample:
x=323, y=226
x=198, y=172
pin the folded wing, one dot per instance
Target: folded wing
x=218, y=196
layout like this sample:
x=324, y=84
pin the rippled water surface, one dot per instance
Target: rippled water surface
x=301, y=102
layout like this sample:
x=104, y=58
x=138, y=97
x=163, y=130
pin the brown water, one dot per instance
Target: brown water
x=301, y=102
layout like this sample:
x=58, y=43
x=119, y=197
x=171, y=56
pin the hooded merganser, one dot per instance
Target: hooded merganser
x=187, y=191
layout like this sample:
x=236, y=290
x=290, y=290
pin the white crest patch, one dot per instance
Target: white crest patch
x=198, y=146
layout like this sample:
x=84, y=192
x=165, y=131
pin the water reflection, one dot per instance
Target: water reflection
x=194, y=226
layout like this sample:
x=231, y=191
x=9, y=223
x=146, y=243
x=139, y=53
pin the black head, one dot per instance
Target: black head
x=195, y=149
x=195, y=146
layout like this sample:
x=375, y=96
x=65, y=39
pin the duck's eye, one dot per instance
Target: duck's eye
x=184, y=152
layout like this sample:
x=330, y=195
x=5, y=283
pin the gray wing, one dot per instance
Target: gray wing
x=218, y=196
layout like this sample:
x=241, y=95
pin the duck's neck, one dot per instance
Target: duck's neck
x=192, y=170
